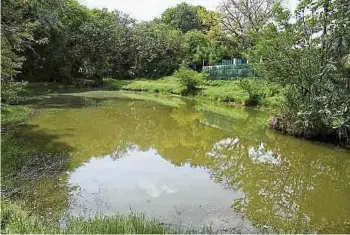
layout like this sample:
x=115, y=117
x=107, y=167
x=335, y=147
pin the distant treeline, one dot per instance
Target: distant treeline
x=62, y=41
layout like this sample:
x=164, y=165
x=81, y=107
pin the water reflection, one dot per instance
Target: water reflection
x=152, y=156
x=299, y=192
x=260, y=154
x=183, y=196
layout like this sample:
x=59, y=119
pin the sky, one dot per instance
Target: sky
x=149, y=9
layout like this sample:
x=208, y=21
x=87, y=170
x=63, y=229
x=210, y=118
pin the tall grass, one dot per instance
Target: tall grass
x=132, y=223
x=13, y=114
x=16, y=220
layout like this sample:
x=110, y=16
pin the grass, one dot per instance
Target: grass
x=222, y=91
x=119, y=224
x=168, y=85
x=14, y=219
x=14, y=114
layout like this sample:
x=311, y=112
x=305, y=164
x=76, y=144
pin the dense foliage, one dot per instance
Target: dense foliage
x=156, y=49
x=309, y=59
x=11, y=92
x=64, y=41
x=183, y=17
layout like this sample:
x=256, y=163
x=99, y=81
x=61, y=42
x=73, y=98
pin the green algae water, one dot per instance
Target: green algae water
x=191, y=164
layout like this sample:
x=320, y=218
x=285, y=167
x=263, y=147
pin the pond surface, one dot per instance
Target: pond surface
x=192, y=164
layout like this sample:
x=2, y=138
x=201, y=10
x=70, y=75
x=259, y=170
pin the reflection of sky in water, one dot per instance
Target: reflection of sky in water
x=288, y=183
x=143, y=181
x=225, y=144
x=260, y=154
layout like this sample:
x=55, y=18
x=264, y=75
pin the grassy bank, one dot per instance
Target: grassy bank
x=245, y=92
x=268, y=95
x=14, y=219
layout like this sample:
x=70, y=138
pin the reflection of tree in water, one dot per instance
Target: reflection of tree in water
x=179, y=135
x=122, y=149
x=288, y=184
x=304, y=192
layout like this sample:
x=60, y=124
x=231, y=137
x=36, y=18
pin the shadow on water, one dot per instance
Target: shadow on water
x=33, y=164
x=43, y=95
x=62, y=102
x=40, y=89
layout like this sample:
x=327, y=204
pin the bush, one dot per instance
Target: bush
x=11, y=92
x=253, y=90
x=318, y=117
x=189, y=79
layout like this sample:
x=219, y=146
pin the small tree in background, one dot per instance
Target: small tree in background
x=189, y=79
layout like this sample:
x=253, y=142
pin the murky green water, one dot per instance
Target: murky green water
x=193, y=164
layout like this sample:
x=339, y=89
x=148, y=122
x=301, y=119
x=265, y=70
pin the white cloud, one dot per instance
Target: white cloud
x=292, y=4
x=149, y=9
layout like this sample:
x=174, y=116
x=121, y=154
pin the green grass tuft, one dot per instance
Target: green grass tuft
x=14, y=219
x=14, y=114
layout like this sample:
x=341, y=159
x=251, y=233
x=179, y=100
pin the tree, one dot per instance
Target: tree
x=156, y=49
x=103, y=45
x=300, y=57
x=208, y=46
x=55, y=60
x=193, y=42
x=340, y=46
x=183, y=17
x=20, y=20
x=242, y=17
x=85, y=44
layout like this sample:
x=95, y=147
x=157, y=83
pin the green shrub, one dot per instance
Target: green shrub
x=12, y=92
x=189, y=79
x=252, y=88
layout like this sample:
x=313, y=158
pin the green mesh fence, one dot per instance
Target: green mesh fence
x=228, y=71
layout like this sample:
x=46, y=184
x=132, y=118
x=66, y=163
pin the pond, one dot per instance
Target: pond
x=193, y=164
